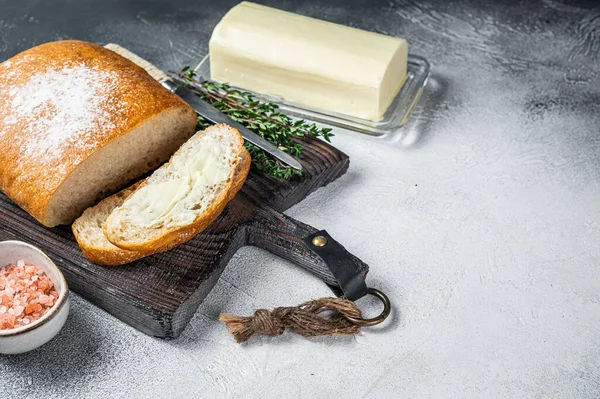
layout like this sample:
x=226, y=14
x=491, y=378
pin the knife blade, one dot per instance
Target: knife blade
x=213, y=115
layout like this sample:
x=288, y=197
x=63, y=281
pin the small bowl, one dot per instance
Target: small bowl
x=26, y=338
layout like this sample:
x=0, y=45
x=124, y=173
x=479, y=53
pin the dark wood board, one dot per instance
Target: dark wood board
x=159, y=294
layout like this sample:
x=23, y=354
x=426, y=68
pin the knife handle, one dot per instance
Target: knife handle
x=286, y=237
x=136, y=59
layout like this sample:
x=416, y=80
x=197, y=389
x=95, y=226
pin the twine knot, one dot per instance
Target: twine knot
x=325, y=316
x=266, y=322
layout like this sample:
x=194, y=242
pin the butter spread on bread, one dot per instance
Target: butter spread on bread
x=78, y=122
x=181, y=198
x=309, y=61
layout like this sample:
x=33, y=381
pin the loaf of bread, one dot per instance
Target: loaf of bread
x=78, y=122
x=182, y=197
x=88, y=228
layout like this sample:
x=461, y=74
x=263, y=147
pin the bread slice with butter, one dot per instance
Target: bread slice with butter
x=88, y=229
x=181, y=198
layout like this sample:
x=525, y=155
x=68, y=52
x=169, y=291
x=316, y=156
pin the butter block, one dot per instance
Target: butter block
x=316, y=63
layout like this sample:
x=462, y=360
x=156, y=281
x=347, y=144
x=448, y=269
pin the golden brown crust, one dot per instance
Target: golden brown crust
x=31, y=179
x=111, y=257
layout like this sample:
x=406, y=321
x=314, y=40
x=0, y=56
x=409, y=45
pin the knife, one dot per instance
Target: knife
x=203, y=108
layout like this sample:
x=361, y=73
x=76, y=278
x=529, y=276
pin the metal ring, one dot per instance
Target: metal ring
x=387, y=308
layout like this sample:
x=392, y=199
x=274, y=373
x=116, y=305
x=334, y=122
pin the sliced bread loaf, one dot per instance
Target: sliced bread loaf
x=181, y=198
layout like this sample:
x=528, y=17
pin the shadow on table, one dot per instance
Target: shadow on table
x=418, y=129
x=71, y=355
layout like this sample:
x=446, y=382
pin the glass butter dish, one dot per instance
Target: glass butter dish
x=396, y=115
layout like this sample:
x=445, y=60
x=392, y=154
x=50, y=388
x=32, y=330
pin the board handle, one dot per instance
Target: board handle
x=285, y=237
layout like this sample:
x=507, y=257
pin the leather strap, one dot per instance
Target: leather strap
x=350, y=281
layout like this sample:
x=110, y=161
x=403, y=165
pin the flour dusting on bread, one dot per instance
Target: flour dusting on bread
x=61, y=107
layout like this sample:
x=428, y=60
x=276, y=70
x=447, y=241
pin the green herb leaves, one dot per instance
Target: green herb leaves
x=262, y=117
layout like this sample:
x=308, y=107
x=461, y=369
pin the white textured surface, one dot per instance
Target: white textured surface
x=481, y=223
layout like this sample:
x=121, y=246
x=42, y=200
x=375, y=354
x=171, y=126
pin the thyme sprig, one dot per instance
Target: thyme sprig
x=262, y=117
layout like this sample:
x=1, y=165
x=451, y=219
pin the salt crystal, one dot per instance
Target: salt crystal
x=21, y=301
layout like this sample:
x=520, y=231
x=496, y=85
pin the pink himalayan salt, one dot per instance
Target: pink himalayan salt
x=26, y=294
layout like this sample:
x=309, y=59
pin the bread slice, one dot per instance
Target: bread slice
x=181, y=198
x=88, y=228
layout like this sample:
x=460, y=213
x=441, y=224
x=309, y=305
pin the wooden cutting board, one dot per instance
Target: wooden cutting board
x=159, y=294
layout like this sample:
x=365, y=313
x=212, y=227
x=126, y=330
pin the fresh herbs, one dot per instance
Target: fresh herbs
x=261, y=117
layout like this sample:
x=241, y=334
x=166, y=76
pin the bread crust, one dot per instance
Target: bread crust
x=109, y=255
x=30, y=182
x=180, y=234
